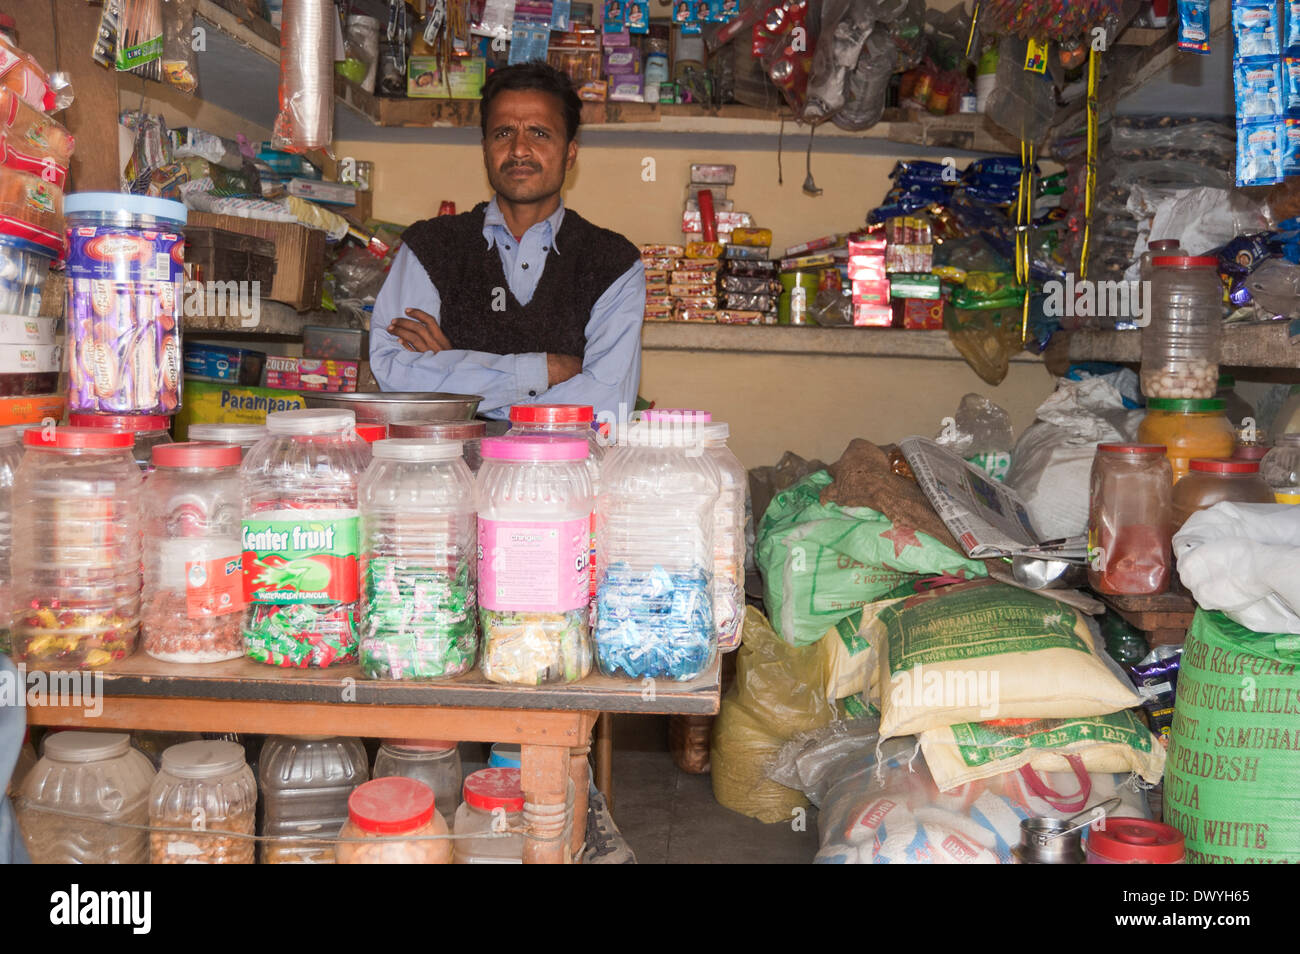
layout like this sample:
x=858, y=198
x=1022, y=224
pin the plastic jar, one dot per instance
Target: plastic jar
x=300, y=535
x=125, y=281
x=96, y=782
x=534, y=530
x=505, y=755
x=1234, y=405
x=306, y=781
x=245, y=436
x=1255, y=452
x=728, y=537
x=147, y=432
x=389, y=809
x=24, y=267
x=1135, y=841
x=193, y=602
x=436, y=764
x=206, y=796
x=654, y=541
x=1213, y=481
x=419, y=605
x=494, y=802
x=11, y=454
x=1280, y=467
x=1188, y=428
x=1129, y=535
x=469, y=433
x=76, y=579
x=1163, y=248
x=368, y=434
x=1180, y=347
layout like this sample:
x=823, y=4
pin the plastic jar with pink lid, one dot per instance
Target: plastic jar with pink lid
x=399, y=814
x=1135, y=841
x=435, y=763
x=494, y=803
x=147, y=432
x=534, y=526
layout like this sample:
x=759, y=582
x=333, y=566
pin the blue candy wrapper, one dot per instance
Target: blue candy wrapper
x=1255, y=28
x=1291, y=148
x=1291, y=86
x=1258, y=89
x=638, y=16
x=1194, y=26
x=1259, y=153
x=1291, y=28
x=656, y=624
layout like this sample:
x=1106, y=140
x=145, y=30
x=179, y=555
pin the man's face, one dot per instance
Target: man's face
x=525, y=152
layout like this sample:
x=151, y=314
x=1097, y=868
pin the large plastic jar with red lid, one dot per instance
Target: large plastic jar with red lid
x=367, y=434
x=11, y=453
x=494, y=803
x=1135, y=841
x=147, y=432
x=1180, y=345
x=393, y=821
x=1129, y=514
x=470, y=434
x=76, y=578
x=435, y=763
x=193, y=557
x=1209, y=482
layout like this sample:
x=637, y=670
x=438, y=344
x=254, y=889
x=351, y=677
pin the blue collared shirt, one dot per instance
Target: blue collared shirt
x=611, y=367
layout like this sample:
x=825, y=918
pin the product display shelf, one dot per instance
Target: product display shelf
x=553, y=724
x=1162, y=619
x=1262, y=345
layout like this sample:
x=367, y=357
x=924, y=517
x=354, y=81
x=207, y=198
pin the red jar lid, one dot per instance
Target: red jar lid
x=551, y=414
x=1127, y=840
x=121, y=422
x=1190, y=261
x=372, y=432
x=1132, y=448
x=492, y=788
x=91, y=438
x=390, y=806
x=197, y=454
x=1214, y=465
x=1162, y=245
x=1250, y=451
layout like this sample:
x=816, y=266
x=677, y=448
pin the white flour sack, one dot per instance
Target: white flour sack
x=982, y=651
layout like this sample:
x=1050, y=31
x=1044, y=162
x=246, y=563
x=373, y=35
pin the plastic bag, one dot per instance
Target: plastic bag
x=777, y=694
x=845, y=26
x=813, y=761
x=766, y=482
x=306, y=117
x=978, y=427
x=868, y=83
x=1275, y=288
x=180, y=67
x=986, y=338
x=1023, y=102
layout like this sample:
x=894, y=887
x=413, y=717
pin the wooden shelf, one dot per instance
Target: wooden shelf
x=1263, y=345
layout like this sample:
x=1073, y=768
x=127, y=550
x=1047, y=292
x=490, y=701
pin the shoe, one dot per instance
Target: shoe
x=605, y=845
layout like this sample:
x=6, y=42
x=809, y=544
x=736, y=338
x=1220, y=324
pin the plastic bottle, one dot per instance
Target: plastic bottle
x=245, y=436
x=469, y=433
x=11, y=454
x=1281, y=468
x=435, y=763
x=1209, y=482
x=306, y=781
x=494, y=802
x=207, y=781
x=729, y=518
x=1180, y=346
x=147, y=432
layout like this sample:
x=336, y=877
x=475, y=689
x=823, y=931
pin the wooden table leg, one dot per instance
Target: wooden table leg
x=544, y=771
x=605, y=757
x=579, y=773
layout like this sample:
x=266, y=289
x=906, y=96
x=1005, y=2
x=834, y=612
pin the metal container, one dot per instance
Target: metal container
x=389, y=407
x=1048, y=841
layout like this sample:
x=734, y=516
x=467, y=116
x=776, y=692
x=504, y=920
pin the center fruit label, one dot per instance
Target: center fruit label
x=297, y=560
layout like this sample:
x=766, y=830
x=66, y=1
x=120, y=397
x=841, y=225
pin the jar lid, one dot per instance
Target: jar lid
x=196, y=454
x=535, y=447
x=1215, y=465
x=113, y=202
x=372, y=432
x=1137, y=840
x=1185, y=261
x=121, y=422
x=552, y=414
x=227, y=433
x=86, y=746
x=422, y=745
x=1250, y=451
x=676, y=414
x=1162, y=245
x=717, y=431
x=1186, y=405
x=492, y=788
x=1132, y=448
x=415, y=448
x=309, y=421
x=504, y=755
x=391, y=805
x=447, y=430
x=89, y=438
x=203, y=758
x=664, y=433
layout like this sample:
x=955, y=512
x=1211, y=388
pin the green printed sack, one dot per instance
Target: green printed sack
x=820, y=562
x=1234, y=749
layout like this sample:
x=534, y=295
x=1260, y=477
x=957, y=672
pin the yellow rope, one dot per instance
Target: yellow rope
x=1090, y=170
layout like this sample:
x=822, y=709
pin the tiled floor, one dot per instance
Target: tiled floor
x=671, y=817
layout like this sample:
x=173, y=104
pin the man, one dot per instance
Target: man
x=520, y=300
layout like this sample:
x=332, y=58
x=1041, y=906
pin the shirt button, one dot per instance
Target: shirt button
x=546, y=248
x=532, y=394
x=507, y=248
x=525, y=266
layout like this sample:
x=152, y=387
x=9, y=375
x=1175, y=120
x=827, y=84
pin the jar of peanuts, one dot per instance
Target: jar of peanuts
x=1180, y=345
x=390, y=821
x=203, y=806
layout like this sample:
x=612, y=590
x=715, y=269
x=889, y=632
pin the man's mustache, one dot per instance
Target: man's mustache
x=506, y=167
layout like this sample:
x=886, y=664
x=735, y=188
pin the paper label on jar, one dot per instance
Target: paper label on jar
x=538, y=566
x=299, y=559
x=214, y=587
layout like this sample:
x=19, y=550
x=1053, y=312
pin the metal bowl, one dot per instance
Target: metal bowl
x=388, y=407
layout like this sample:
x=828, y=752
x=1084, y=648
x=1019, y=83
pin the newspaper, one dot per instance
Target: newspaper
x=985, y=516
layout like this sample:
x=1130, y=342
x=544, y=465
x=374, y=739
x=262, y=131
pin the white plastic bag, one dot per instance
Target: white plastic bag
x=1244, y=559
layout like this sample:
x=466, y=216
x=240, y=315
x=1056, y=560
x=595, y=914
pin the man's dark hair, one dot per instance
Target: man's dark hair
x=533, y=76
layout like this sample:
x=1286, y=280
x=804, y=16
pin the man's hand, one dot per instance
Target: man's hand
x=561, y=367
x=420, y=332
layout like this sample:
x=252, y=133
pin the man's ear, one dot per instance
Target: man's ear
x=572, y=155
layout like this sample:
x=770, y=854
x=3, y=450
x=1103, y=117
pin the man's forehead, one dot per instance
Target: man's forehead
x=531, y=105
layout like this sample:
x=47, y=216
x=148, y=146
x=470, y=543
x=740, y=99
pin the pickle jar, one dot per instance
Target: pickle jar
x=1129, y=520
x=393, y=821
x=1189, y=429
x=1180, y=345
x=203, y=806
x=1214, y=481
x=435, y=763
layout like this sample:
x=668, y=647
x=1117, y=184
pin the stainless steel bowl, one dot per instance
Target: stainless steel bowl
x=388, y=407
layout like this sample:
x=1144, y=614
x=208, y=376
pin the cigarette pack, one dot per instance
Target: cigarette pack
x=310, y=374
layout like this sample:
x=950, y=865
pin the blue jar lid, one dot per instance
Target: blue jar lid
x=116, y=202
x=504, y=755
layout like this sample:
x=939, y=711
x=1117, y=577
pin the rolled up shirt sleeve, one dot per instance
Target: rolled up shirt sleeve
x=501, y=379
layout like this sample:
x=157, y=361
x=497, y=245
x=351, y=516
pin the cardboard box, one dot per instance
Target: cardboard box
x=871, y=292
x=326, y=193
x=203, y=402
x=873, y=316
x=32, y=409
x=299, y=255
x=31, y=359
x=210, y=362
x=464, y=78
x=919, y=314
x=310, y=374
x=15, y=329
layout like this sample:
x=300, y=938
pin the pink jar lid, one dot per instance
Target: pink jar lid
x=390, y=806
x=534, y=447
x=492, y=788
x=197, y=454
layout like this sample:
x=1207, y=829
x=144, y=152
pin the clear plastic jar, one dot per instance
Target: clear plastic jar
x=11, y=453
x=76, y=579
x=367, y=434
x=1213, y=481
x=494, y=803
x=1235, y=406
x=300, y=531
x=1129, y=535
x=505, y=755
x=534, y=530
x=95, y=782
x=245, y=436
x=469, y=433
x=193, y=557
x=728, y=537
x=419, y=603
x=1281, y=468
x=436, y=764
x=306, y=781
x=1180, y=346
x=388, y=809
x=1189, y=429
x=206, y=797
x=654, y=540
x=147, y=432
x=1160, y=248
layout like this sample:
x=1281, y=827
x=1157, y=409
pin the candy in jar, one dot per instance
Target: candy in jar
x=393, y=821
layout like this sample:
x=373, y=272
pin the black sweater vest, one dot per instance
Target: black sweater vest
x=479, y=312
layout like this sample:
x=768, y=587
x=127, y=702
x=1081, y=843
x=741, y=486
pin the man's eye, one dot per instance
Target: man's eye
x=541, y=133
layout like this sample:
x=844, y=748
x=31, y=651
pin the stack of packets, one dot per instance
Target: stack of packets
x=869, y=281
x=681, y=283
x=713, y=178
x=1266, y=75
x=749, y=288
x=914, y=293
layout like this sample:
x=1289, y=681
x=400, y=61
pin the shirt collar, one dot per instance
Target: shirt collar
x=493, y=220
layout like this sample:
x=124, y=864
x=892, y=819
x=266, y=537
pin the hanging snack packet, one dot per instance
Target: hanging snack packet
x=1291, y=148
x=1291, y=29
x=1255, y=28
x=1258, y=89
x=1194, y=26
x=1259, y=153
x=1291, y=86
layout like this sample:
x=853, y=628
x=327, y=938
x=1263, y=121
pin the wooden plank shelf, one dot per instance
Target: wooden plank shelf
x=1260, y=345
